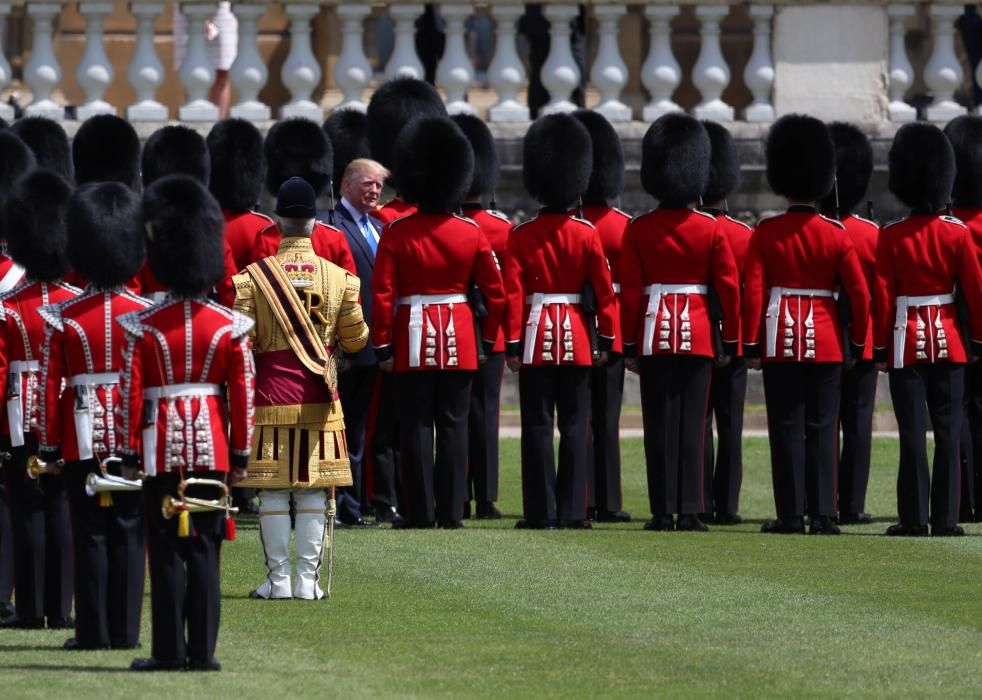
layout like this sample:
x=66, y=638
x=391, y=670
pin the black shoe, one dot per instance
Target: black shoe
x=72, y=644
x=407, y=524
x=823, y=525
x=488, y=511
x=691, y=523
x=902, y=529
x=953, y=531
x=209, y=665
x=152, y=664
x=779, y=526
x=17, y=623
x=6, y=611
x=467, y=510
x=660, y=523
x=727, y=519
x=526, y=524
x=575, y=525
x=357, y=522
x=450, y=525
x=612, y=516
x=861, y=518
x=387, y=514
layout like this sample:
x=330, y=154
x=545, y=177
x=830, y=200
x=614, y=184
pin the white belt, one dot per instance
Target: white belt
x=93, y=379
x=616, y=287
x=774, y=309
x=900, y=323
x=537, y=301
x=174, y=391
x=21, y=366
x=655, y=292
x=15, y=407
x=416, y=302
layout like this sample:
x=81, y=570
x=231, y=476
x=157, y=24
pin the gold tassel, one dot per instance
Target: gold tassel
x=105, y=499
x=184, y=524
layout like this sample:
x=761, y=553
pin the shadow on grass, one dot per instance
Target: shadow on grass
x=28, y=647
x=65, y=667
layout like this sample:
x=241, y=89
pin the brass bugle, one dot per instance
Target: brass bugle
x=97, y=483
x=35, y=467
x=171, y=506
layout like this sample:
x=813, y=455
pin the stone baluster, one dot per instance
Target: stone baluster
x=560, y=75
x=6, y=111
x=609, y=72
x=506, y=74
x=943, y=72
x=711, y=74
x=196, y=72
x=248, y=73
x=95, y=71
x=42, y=72
x=145, y=72
x=301, y=71
x=352, y=72
x=404, y=60
x=454, y=73
x=901, y=72
x=759, y=73
x=660, y=73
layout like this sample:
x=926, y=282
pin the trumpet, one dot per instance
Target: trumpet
x=172, y=506
x=35, y=467
x=104, y=482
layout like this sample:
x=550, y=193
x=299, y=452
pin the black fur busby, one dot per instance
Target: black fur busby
x=106, y=148
x=16, y=160
x=557, y=159
x=49, y=142
x=437, y=163
x=393, y=105
x=800, y=158
x=347, y=130
x=965, y=135
x=175, y=150
x=184, y=228
x=675, y=156
x=922, y=167
x=853, y=169
x=487, y=165
x=238, y=164
x=298, y=148
x=724, y=164
x=105, y=233
x=36, y=232
x=607, y=178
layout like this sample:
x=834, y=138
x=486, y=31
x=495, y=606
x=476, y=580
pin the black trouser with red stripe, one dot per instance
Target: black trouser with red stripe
x=109, y=562
x=549, y=394
x=674, y=400
x=727, y=396
x=356, y=386
x=802, y=424
x=185, y=576
x=856, y=419
x=606, y=392
x=382, y=440
x=482, y=465
x=434, y=488
x=919, y=391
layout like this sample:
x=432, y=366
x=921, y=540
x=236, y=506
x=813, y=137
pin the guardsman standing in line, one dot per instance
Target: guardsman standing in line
x=794, y=265
x=853, y=169
x=670, y=257
x=728, y=392
x=423, y=328
x=549, y=334
x=485, y=410
x=922, y=261
x=84, y=353
x=184, y=354
x=607, y=381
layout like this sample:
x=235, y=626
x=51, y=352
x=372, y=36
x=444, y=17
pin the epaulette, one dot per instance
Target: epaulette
x=523, y=223
x=953, y=220
x=136, y=297
x=894, y=223
x=834, y=221
x=702, y=213
x=469, y=220
x=621, y=212
x=864, y=220
x=131, y=323
x=241, y=324
x=498, y=215
x=582, y=220
x=318, y=222
x=737, y=221
x=643, y=214
x=67, y=287
x=267, y=228
x=264, y=216
x=51, y=314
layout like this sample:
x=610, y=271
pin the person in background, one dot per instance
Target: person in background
x=222, y=39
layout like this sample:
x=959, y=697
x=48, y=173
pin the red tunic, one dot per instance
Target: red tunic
x=924, y=255
x=556, y=253
x=84, y=339
x=801, y=250
x=433, y=254
x=864, y=234
x=972, y=217
x=184, y=356
x=329, y=243
x=496, y=227
x=241, y=231
x=11, y=274
x=677, y=248
x=396, y=209
x=611, y=224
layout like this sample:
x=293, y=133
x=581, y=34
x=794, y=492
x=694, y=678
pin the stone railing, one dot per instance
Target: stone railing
x=863, y=61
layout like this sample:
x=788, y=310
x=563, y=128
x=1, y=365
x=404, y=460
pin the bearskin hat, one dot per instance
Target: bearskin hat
x=393, y=105
x=437, y=161
x=298, y=148
x=487, y=165
x=965, y=135
x=238, y=164
x=853, y=168
x=800, y=158
x=184, y=228
x=175, y=150
x=675, y=154
x=607, y=178
x=105, y=233
x=36, y=214
x=724, y=164
x=557, y=159
x=16, y=160
x=922, y=167
x=49, y=142
x=347, y=130
x=106, y=148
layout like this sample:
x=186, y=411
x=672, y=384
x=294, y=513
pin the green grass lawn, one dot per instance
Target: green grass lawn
x=615, y=612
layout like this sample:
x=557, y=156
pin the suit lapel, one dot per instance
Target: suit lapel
x=354, y=233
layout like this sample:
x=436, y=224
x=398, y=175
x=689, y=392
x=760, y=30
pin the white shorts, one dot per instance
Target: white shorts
x=222, y=42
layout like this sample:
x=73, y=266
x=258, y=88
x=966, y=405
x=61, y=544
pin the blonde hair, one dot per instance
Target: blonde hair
x=362, y=165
